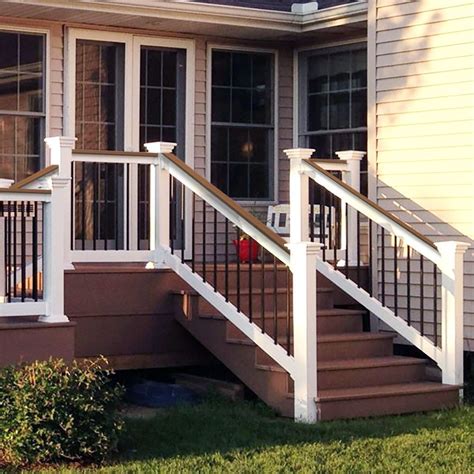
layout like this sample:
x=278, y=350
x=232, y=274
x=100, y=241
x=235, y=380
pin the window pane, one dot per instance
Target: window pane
x=341, y=142
x=220, y=104
x=259, y=145
x=219, y=176
x=261, y=106
x=99, y=77
x=219, y=144
x=153, y=107
x=359, y=69
x=241, y=70
x=339, y=67
x=221, y=68
x=31, y=53
x=241, y=105
x=20, y=146
x=262, y=71
x=339, y=110
x=240, y=148
x=317, y=112
x=359, y=109
x=239, y=181
x=152, y=67
x=318, y=69
x=169, y=68
x=322, y=145
x=258, y=182
x=8, y=90
x=169, y=107
x=9, y=48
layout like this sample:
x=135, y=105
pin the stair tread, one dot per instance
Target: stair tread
x=245, y=291
x=371, y=362
x=283, y=314
x=375, y=391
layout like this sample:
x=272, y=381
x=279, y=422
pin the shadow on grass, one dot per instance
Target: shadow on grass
x=221, y=426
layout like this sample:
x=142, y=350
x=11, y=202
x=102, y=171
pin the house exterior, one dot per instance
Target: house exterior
x=235, y=83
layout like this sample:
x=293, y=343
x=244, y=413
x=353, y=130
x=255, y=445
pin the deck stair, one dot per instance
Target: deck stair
x=358, y=375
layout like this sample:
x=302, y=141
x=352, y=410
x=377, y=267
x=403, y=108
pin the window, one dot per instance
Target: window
x=22, y=103
x=99, y=95
x=242, y=126
x=334, y=103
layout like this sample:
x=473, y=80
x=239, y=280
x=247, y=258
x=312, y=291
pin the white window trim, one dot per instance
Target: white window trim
x=132, y=45
x=47, y=61
x=246, y=49
x=296, y=75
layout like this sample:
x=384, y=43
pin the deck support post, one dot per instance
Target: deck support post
x=159, y=204
x=303, y=267
x=352, y=178
x=53, y=252
x=452, y=310
x=60, y=154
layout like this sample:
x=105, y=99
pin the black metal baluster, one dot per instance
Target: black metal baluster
x=311, y=210
x=172, y=216
x=35, y=251
x=371, y=262
x=395, y=275
x=193, y=234
x=83, y=214
x=204, y=230
x=335, y=230
x=329, y=224
x=262, y=289
x=226, y=259
x=105, y=218
x=346, y=213
x=408, y=285
x=435, y=303
x=383, y=265
x=422, y=296
x=288, y=311
x=8, y=242
x=275, y=300
x=23, y=251
x=215, y=250
x=183, y=222
x=358, y=248
x=95, y=204
x=71, y=207
x=322, y=227
x=13, y=270
x=238, y=268
x=116, y=205
x=250, y=280
x=127, y=201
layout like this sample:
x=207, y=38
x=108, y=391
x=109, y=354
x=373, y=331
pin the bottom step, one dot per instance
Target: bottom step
x=386, y=400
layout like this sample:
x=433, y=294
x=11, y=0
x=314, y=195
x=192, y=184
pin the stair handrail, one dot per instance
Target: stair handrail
x=446, y=255
x=239, y=216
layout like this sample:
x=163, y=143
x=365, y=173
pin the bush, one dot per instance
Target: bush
x=54, y=412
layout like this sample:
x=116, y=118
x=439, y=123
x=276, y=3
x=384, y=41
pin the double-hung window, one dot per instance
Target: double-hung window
x=333, y=98
x=242, y=124
x=22, y=103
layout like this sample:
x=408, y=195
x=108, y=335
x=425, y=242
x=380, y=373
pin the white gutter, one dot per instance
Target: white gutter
x=209, y=13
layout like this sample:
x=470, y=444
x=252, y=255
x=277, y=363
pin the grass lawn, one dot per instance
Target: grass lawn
x=221, y=436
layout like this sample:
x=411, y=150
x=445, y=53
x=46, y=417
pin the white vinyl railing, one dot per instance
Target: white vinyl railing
x=446, y=256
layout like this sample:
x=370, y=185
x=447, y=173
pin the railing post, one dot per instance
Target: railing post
x=4, y=183
x=61, y=155
x=303, y=267
x=159, y=203
x=352, y=178
x=452, y=310
x=53, y=251
x=299, y=195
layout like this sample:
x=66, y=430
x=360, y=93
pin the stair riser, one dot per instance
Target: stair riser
x=353, y=378
x=326, y=325
x=355, y=349
x=324, y=299
x=383, y=405
x=341, y=350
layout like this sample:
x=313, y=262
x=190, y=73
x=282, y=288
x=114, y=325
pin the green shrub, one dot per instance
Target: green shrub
x=54, y=412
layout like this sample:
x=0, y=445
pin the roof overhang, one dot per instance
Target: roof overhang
x=193, y=18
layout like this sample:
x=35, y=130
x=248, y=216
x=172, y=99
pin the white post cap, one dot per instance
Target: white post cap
x=160, y=147
x=351, y=155
x=62, y=142
x=299, y=153
x=454, y=246
x=6, y=183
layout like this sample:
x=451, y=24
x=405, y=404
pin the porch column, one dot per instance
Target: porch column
x=452, y=310
x=4, y=183
x=53, y=250
x=61, y=155
x=352, y=178
x=159, y=203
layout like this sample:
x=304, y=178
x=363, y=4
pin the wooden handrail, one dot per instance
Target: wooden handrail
x=34, y=177
x=367, y=202
x=112, y=153
x=228, y=202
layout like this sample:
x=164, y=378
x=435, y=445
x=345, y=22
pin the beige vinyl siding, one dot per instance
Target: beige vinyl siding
x=421, y=109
